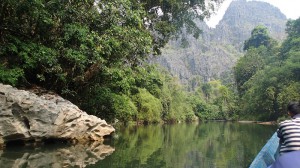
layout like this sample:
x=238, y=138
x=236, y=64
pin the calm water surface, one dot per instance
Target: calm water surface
x=195, y=145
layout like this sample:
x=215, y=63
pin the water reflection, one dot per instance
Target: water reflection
x=204, y=145
x=54, y=155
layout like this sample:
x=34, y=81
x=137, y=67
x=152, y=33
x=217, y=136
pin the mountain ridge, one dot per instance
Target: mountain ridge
x=213, y=55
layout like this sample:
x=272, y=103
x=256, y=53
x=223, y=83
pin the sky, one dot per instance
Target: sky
x=291, y=8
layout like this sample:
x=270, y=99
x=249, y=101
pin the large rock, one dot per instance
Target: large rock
x=26, y=116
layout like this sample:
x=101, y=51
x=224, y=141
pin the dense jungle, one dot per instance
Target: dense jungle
x=109, y=58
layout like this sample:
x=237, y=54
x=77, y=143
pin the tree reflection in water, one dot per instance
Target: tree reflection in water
x=199, y=145
x=194, y=145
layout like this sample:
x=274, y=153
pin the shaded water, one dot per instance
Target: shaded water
x=195, y=145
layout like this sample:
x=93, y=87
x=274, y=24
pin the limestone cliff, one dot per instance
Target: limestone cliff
x=213, y=55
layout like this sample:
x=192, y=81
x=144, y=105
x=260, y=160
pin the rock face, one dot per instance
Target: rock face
x=26, y=116
x=213, y=55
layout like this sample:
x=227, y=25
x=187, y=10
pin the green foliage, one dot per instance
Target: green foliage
x=70, y=42
x=10, y=76
x=149, y=77
x=124, y=108
x=168, y=17
x=205, y=111
x=94, y=54
x=149, y=107
x=292, y=42
x=180, y=109
x=214, y=101
x=99, y=102
x=288, y=94
x=248, y=65
x=207, y=90
x=267, y=92
x=82, y=50
x=259, y=36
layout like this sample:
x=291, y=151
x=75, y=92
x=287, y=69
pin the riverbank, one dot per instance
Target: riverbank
x=260, y=122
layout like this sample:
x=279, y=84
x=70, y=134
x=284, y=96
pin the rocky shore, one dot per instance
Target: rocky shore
x=25, y=116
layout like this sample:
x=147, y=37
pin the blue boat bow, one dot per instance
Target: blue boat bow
x=268, y=153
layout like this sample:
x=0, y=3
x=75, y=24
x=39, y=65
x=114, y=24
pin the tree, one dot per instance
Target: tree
x=167, y=18
x=267, y=92
x=248, y=65
x=149, y=107
x=293, y=40
x=94, y=52
x=259, y=36
x=69, y=42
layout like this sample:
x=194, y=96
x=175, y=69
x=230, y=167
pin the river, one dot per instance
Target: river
x=192, y=145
